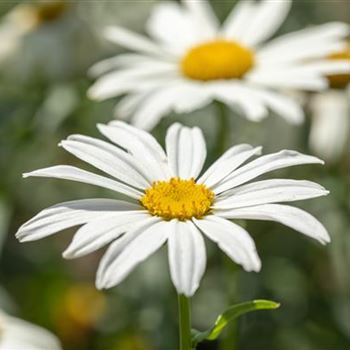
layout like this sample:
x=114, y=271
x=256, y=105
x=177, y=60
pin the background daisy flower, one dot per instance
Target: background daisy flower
x=191, y=59
x=330, y=112
x=169, y=201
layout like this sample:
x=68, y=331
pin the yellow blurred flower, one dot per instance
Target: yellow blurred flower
x=80, y=309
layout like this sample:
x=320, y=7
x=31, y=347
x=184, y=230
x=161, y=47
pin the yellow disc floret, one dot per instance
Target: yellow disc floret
x=49, y=11
x=340, y=81
x=178, y=199
x=218, y=59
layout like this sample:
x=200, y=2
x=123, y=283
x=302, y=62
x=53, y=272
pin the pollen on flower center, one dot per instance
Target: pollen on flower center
x=340, y=81
x=218, y=59
x=178, y=199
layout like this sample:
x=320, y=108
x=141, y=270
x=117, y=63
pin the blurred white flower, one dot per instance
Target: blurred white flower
x=191, y=60
x=170, y=202
x=23, y=19
x=16, y=334
x=330, y=113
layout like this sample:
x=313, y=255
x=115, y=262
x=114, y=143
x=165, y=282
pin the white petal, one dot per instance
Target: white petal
x=262, y=165
x=239, y=19
x=121, y=61
x=199, y=152
x=155, y=107
x=286, y=79
x=186, y=151
x=127, y=252
x=305, y=44
x=67, y=172
x=269, y=191
x=238, y=96
x=141, y=145
x=237, y=149
x=323, y=67
x=171, y=24
x=149, y=141
x=129, y=104
x=227, y=163
x=284, y=106
x=232, y=239
x=191, y=96
x=296, y=55
x=292, y=73
x=133, y=41
x=268, y=17
x=107, y=158
x=17, y=334
x=99, y=232
x=121, y=81
x=203, y=17
x=187, y=257
x=68, y=214
x=295, y=218
x=330, y=124
x=179, y=96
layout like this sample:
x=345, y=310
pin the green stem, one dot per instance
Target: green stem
x=223, y=128
x=185, y=322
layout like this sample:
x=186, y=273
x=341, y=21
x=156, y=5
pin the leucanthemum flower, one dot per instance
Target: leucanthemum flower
x=25, y=18
x=169, y=201
x=190, y=60
x=330, y=113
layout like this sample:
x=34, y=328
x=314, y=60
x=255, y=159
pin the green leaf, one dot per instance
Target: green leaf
x=231, y=314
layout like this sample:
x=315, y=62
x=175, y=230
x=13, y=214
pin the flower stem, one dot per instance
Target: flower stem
x=223, y=128
x=184, y=322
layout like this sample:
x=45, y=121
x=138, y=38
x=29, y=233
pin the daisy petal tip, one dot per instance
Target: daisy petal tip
x=258, y=267
x=91, y=93
x=100, y=281
x=101, y=127
x=18, y=236
x=68, y=254
x=21, y=237
x=106, y=32
x=259, y=150
x=99, y=285
x=326, y=239
x=94, y=94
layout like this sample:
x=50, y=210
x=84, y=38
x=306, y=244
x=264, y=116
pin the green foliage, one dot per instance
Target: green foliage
x=231, y=314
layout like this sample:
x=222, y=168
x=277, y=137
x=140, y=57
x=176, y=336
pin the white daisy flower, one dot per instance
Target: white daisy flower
x=330, y=113
x=16, y=334
x=23, y=19
x=171, y=202
x=191, y=60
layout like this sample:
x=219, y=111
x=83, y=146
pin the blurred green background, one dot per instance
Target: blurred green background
x=43, y=83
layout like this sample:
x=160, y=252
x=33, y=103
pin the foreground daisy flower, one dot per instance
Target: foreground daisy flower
x=170, y=202
x=192, y=60
x=330, y=111
x=16, y=334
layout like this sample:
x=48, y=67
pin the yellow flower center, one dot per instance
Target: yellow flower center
x=48, y=11
x=178, y=199
x=218, y=59
x=29, y=16
x=340, y=81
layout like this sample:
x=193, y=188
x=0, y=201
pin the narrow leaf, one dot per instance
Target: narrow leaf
x=231, y=314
